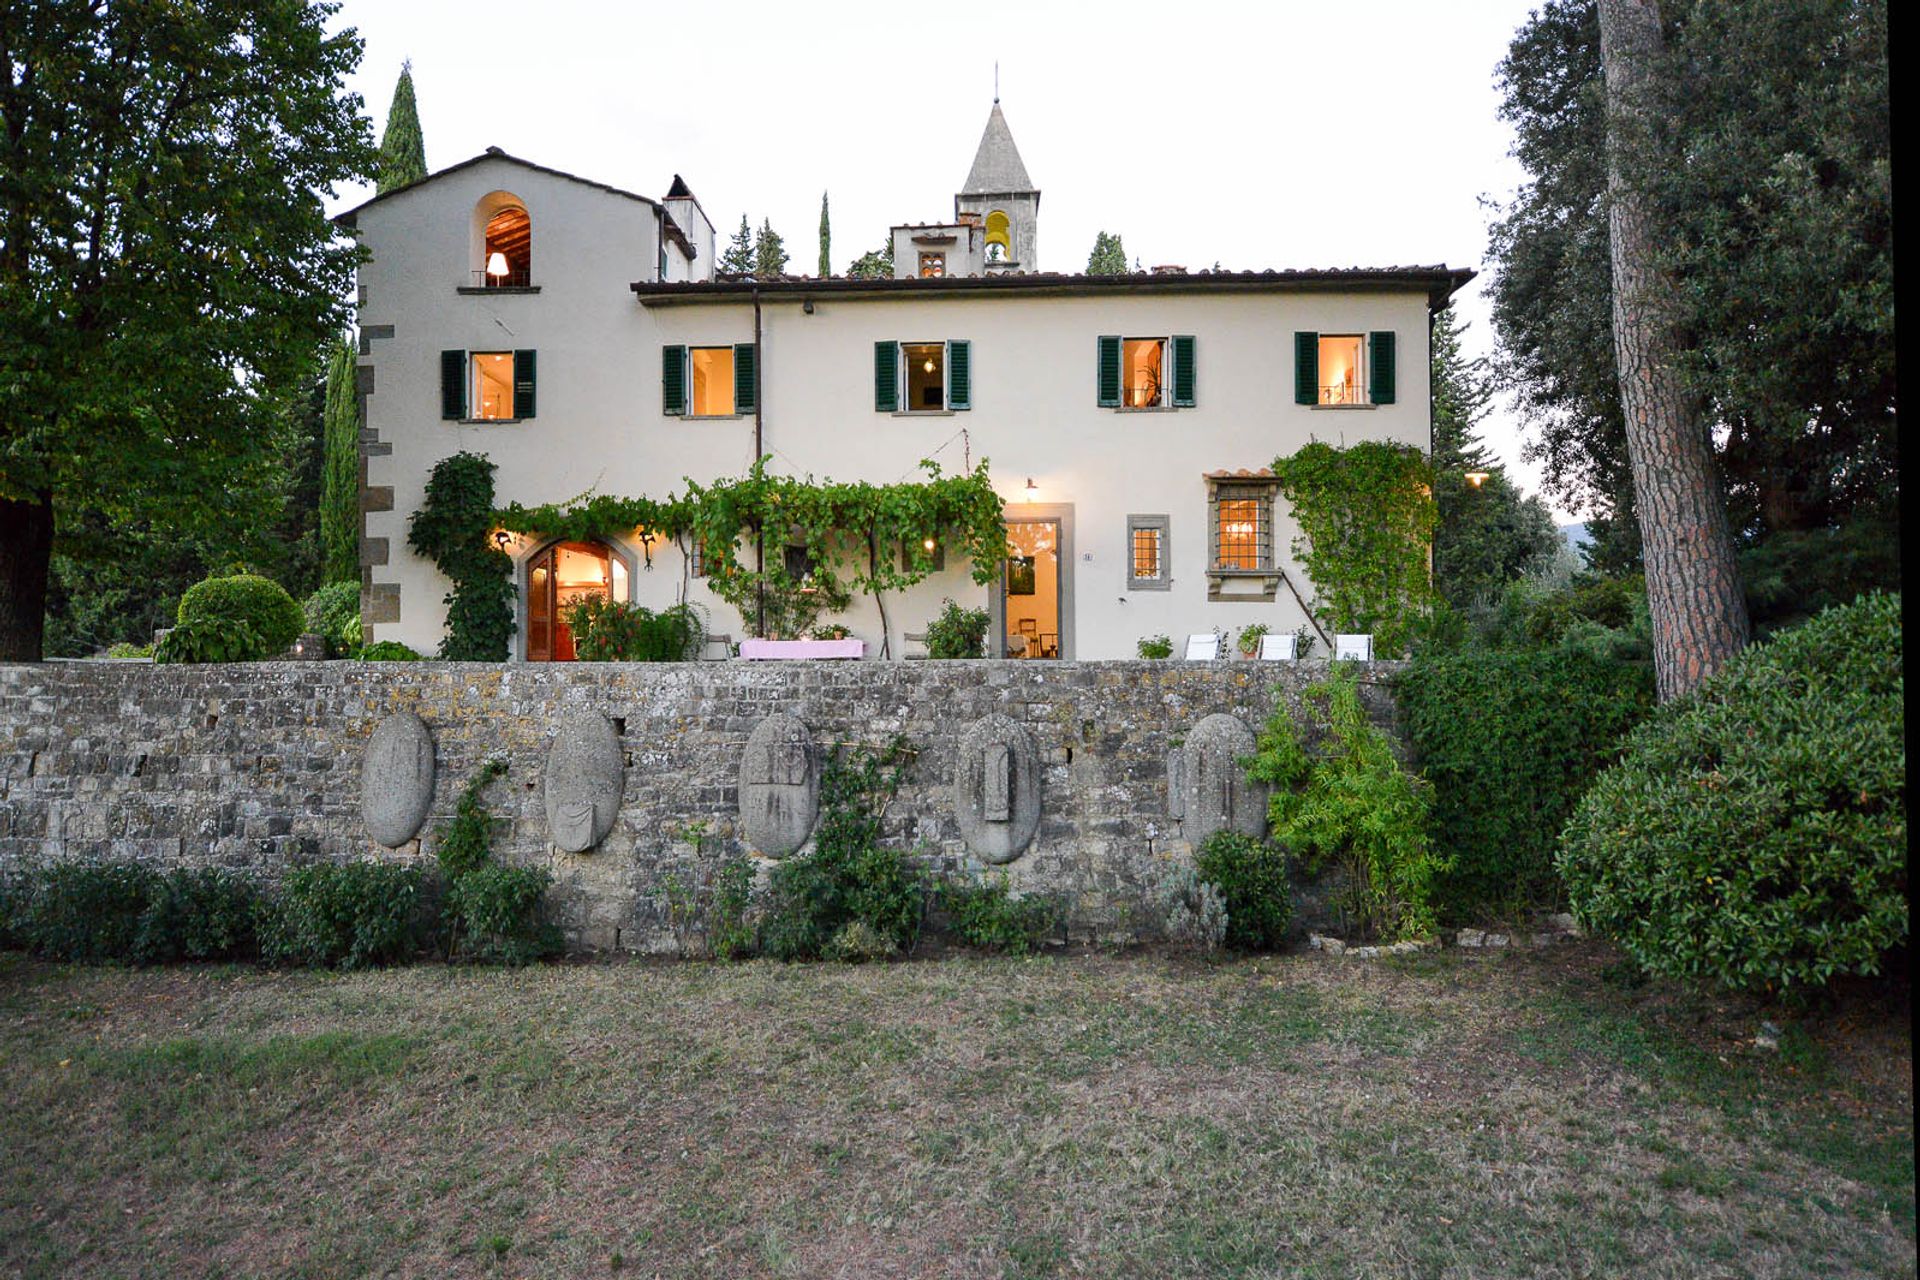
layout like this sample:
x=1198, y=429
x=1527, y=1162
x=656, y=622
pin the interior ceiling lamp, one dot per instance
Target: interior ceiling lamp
x=1478, y=478
x=928, y=366
x=496, y=263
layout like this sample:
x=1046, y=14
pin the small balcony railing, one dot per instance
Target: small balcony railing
x=1342, y=393
x=511, y=280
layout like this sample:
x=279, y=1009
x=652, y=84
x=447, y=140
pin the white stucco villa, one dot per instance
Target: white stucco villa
x=577, y=335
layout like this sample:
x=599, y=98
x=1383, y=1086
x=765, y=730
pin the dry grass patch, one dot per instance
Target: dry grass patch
x=1085, y=1116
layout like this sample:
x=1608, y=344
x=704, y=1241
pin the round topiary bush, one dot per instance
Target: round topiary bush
x=334, y=612
x=1755, y=834
x=261, y=604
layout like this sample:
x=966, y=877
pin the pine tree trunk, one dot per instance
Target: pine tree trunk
x=26, y=548
x=1693, y=586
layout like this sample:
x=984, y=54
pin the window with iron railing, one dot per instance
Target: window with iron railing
x=1242, y=528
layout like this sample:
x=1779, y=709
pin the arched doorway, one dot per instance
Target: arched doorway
x=558, y=577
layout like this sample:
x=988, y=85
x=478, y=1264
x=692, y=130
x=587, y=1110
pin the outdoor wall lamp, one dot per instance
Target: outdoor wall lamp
x=501, y=539
x=1477, y=478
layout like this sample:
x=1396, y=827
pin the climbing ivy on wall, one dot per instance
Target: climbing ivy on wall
x=852, y=534
x=1366, y=517
x=452, y=529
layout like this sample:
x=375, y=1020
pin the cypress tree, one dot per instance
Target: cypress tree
x=1109, y=256
x=826, y=239
x=769, y=252
x=340, y=479
x=738, y=259
x=403, y=152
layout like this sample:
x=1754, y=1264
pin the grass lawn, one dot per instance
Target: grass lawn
x=1075, y=1116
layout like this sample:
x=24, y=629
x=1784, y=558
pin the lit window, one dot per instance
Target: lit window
x=492, y=385
x=508, y=253
x=1243, y=528
x=1143, y=360
x=1147, y=553
x=712, y=381
x=926, y=375
x=1342, y=380
x=932, y=265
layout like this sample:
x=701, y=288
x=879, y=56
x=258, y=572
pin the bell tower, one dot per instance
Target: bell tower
x=1000, y=194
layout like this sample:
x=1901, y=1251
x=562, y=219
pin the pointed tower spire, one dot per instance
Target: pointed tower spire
x=996, y=165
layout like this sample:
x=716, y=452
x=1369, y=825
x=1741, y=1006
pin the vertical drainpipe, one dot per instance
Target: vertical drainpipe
x=759, y=452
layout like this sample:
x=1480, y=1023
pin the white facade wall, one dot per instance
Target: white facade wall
x=600, y=426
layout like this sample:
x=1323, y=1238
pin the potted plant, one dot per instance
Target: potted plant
x=1249, y=640
x=1155, y=647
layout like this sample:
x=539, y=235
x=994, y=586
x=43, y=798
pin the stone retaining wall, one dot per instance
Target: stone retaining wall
x=260, y=766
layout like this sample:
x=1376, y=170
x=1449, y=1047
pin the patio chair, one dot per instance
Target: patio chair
x=1203, y=646
x=1281, y=648
x=1352, y=648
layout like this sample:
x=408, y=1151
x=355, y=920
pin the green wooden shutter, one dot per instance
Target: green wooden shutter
x=746, y=368
x=1306, y=368
x=453, y=384
x=523, y=384
x=886, y=377
x=1107, y=372
x=673, y=381
x=1380, y=384
x=959, y=374
x=1183, y=371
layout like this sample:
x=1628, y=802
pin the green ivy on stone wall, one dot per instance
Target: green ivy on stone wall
x=1366, y=516
x=452, y=528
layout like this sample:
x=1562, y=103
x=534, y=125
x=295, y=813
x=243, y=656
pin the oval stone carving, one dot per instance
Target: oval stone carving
x=585, y=777
x=1212, y=792
x=779, y=786
x=996, y=789
x=396, y=779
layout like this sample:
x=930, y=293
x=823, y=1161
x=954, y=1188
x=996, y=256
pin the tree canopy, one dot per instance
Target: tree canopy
x=737, y=259
x=166, y=270
x=1109, y=257
x=769, y=252
x=875, y=264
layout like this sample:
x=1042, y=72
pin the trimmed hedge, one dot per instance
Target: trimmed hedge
x=106, y=911
x=1754, y=835
x=1511, y=739
x=260, y=604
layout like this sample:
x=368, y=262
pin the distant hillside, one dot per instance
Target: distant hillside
x=1576, y=535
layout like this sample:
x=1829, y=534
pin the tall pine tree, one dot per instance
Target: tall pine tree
x=403, y=151
x=826, y=239
x=769, y=253
x=1109, y=256
x=738, y=259
x=340, y=482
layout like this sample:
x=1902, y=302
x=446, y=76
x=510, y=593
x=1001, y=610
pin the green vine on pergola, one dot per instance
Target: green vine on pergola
x=1366, y=516
x=853, y=533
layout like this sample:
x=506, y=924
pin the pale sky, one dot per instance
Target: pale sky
x=1253, y=135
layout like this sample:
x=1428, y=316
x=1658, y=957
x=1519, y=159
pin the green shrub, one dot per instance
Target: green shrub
x=729, y=930
x=258, y=603
x=849, y=876
x=1349, y=804
x=957, y=633
x=1605, y=602
x=1754, y=835
x=857, y=942
x=389, y=651
x=1251, y=876
x=210, y=640
x=497, y=913
x=128, y=649
x=347, y=915
x=1511, y=739
x=984, y=913
x=1154, y=647
x=1192, y=912
x=206, y=914
x=334, y=612
x=609, y=631
x=88, y=911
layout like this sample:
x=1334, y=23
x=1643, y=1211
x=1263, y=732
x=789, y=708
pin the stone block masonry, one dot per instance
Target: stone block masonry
x=259, y=765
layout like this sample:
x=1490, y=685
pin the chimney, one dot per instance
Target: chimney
x=1169, y=271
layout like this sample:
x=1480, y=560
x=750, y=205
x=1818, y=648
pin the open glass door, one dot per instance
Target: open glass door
x=559, y=577
x=1030, y=587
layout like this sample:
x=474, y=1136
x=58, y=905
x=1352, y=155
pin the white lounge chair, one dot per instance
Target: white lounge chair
x=1353, y=648
x=1279, y=648
x=1204, y=647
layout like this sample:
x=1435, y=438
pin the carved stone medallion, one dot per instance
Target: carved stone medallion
x=585, y=778
x=779, y=786
x=396, y=779
x=996, y=789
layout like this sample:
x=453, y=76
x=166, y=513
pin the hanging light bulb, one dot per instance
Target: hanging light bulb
x=496, y=263
x=928, y=543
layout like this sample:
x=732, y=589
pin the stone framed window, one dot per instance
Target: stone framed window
x=1240, y=551
x=1148, y=553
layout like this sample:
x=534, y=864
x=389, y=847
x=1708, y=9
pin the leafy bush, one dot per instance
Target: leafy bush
x=1605, y=602
x=1511, y=739
x=984, y=913
x=1154, y=647
x=729, y=930
x=1349, y=802
x=609, y=631
x=1251, y=876
x=334, y=612
x=210, y=640
x=207, y=914
x=857, y=942
x=85, y=910
x=1193, y=913
x=348, y=915
x=497, y=912
x=389, y=651
x=128, y=649
x=848, y=876
x=957, y=633
x=1754, y=835
x=246, y=599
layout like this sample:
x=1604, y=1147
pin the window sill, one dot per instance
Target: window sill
x=1338, y=407
x=924, y=413
x=1159, y=584
x=1148, y=408
x=1265, y=581
x=489, y=422
x=712, y=417
x=473, y=290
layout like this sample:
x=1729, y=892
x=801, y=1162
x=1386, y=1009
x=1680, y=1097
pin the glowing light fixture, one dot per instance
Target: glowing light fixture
x=501, y=538
x=928, y=366
x=1478, y=478
x=496, y=263
x=928, y=543
x=1033, y=490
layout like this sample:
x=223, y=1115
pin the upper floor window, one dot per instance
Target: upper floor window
x=481, y=386
x=707, y=382
x=508, y=249
x=932, y=265
x=1344, y=368
x=1147, y=373
x=922, y=377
